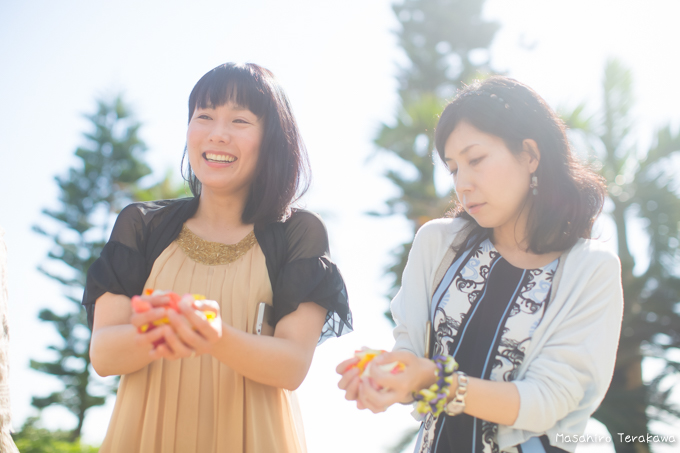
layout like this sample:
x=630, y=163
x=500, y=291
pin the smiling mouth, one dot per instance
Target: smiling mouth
x=219, y=158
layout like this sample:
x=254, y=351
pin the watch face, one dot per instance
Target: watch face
x=457, y=405
x=454, y=408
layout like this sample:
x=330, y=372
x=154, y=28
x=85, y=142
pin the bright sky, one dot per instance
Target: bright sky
x=336, y=61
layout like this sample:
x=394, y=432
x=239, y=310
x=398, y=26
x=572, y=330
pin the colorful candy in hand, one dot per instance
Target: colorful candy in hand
x=366, y=355
x=140, y=305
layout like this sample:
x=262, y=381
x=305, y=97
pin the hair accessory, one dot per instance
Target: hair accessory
x=433, y=399
x=457, y=404
x=493, y=96
x=534, y=184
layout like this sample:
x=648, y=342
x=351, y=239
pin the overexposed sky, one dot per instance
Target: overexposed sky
x=336, y=61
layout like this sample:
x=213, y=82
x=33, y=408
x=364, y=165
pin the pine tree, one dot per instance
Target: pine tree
x=641, y=191
x=101, y=184
x=446, y=43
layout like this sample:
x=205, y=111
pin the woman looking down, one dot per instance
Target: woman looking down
x=515, y=289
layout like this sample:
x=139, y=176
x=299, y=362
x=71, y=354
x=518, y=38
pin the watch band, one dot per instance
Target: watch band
x=457, y=404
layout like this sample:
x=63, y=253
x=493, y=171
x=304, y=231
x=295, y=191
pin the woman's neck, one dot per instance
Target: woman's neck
x=512, y=235
x=511, y=238
x=219, y=217
x=512, y=242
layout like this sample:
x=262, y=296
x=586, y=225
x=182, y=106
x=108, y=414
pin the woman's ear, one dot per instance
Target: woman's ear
x=532, y=154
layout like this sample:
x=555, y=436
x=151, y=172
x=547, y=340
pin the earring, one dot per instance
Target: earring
x=534, y=184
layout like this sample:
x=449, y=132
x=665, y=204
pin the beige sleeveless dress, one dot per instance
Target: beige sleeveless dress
x=199, y=405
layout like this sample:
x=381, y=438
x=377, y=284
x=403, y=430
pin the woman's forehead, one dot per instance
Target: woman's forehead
x=230, y=93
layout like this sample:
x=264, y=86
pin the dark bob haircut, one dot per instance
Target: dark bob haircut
x=570, y=195
x=282, y=174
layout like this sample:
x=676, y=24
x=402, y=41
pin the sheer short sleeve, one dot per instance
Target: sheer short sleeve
x=121, y=268
x=309, y=275
x=141, y=232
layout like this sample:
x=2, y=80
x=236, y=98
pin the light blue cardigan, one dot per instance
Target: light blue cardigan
x=569, y=362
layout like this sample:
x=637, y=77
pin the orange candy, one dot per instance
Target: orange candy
x=140, y=305
x=366, y=355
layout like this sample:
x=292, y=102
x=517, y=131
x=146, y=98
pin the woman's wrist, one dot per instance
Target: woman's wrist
x=427, y=375
x=433, y=399
x=222, y=342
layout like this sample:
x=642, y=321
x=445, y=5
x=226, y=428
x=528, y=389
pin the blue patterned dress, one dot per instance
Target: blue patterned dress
x=484, y=313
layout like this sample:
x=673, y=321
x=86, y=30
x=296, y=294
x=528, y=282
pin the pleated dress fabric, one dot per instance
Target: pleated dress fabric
x=199, y=405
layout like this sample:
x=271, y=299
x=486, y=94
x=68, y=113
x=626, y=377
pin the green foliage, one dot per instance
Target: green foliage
x=443, y=41
x=165, y=189
x=640, y=185
x=104, y=181
x=33, y=439
x=439, y=38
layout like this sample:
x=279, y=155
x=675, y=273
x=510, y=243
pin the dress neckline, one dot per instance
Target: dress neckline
x=550, y=266
x=213, y=253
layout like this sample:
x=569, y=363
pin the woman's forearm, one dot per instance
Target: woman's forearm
x=114, y=351
x=495, y=402
x=278, y=362
x=113, y=346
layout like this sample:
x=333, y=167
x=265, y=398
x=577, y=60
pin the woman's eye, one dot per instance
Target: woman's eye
x=240, y=120
x=454, y=171
x=477, y=160
x=203, y=117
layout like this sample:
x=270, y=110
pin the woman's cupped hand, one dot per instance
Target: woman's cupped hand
x=379, y=388
x=188, y=333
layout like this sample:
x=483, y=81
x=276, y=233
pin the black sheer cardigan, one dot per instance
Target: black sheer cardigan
x=296, y=253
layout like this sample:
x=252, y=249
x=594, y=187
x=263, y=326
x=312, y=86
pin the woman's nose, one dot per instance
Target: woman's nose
x=220, y=133
x=462, y=182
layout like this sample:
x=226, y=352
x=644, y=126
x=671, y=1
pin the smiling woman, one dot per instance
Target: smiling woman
x=199, y=383
x=522, y=302
x=224, y=137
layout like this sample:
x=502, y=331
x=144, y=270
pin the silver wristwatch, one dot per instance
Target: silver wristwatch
x=457, y=404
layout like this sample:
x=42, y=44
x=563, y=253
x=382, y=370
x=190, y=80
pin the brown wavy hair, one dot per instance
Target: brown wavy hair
x=282, y=174
x=570, y=195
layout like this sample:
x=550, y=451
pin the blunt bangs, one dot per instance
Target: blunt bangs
x=231, y=83
x=282, y=175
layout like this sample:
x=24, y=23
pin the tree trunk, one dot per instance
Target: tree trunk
x=624, y=409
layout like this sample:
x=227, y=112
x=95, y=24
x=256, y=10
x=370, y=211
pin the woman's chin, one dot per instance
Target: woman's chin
x=484, y=222
x=224, y=188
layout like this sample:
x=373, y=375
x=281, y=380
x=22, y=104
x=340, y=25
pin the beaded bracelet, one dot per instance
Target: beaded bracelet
x=434, y=399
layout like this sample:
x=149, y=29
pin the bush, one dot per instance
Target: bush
x=34, y=439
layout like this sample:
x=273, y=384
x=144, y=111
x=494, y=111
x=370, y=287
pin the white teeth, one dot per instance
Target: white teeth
x=220, y=157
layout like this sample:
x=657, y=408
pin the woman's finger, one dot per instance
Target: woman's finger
x=147, y=317
x=394, y=356
x=173, y=342
x=206, y=305
x=344, y=366
x=157, y=301
x=209, y=330
x=385, y=378
x=162, y=351
x=373, y=399
x=350, y=384
x=149, y=337
x=347, y=378
x=352, y=389
x=184, y=330
x=379, y=398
